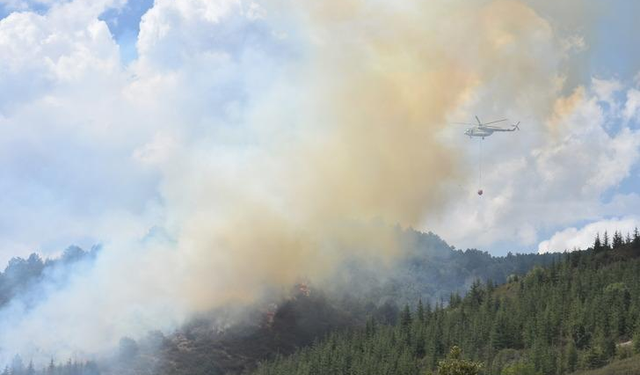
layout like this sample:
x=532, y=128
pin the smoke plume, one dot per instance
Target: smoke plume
x=287, y=137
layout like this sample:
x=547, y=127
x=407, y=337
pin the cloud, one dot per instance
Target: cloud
x=67, y=174
x=553, y=173
x=573, y=238
x=632, y=105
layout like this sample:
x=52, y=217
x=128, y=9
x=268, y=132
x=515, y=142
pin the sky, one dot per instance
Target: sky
x=80, y=147
x=241, y=145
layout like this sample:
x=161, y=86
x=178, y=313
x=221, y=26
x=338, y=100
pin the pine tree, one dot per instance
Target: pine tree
x=490, y=286
x=420, y=311
x=476, y=294
x=17, y=366
x=370, y=327
x=607, y=344
x=454, y=300
x=594, y=357
x=597, y=244
x=571, y=357
x=500, y=335
x=51, y=368
x=405, y=318
x=30, y=369
x=617, y=241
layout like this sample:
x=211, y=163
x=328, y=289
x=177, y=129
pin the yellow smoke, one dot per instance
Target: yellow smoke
x=361, y=151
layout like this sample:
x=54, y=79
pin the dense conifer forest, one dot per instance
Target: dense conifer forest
x=579, y=313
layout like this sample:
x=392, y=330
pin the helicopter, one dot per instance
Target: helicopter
x=486, y=129
x=483, y=130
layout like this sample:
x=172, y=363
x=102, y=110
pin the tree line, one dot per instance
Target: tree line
x=579, y=313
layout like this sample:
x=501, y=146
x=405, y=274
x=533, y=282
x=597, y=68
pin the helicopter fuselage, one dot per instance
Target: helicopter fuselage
x=485, y=131
x=478, y=132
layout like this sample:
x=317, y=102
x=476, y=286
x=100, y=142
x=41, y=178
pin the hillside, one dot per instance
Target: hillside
x=627, y=366
x=428, y=270
x=23, y=279
x=554, y=320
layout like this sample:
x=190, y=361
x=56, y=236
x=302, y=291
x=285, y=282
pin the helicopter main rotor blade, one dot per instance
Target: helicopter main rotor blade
x=461, y=123
x=493, y=122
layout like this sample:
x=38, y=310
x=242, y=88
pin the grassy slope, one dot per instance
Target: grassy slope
x=629, y=366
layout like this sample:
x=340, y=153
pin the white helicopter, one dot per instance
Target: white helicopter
x=486, y=129
x=483, y=130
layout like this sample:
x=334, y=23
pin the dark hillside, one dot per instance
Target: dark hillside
x=572, y=315
x=429, y=269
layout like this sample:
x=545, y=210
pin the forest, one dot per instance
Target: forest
x=577, y=314
x=521, y=314
x=428, y=270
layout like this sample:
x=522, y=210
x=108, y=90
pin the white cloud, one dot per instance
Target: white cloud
x=632, y=106
x=158, y=150
x=89, y=150
x=84, y=140
x=256, y=12
x=574, y=238
x=174, y=32
x=551, y=174
x=67, y=134
x=606, y=89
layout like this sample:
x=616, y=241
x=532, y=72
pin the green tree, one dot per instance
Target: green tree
x=420, y=311
x=405, y=317
x=597, y=244
x=617, y=240
x=455, y=365
x=594, y=357
x=500, y=332
x=571, y=357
